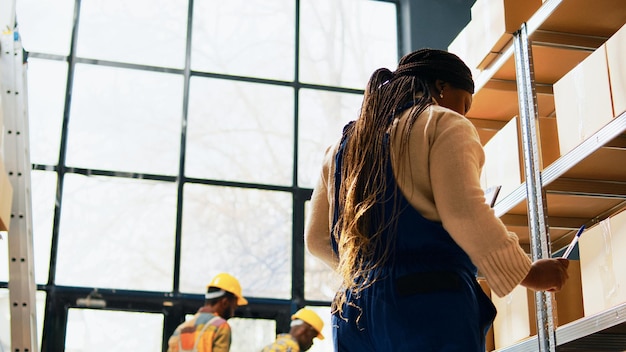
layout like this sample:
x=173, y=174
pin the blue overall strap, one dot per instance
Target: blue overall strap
x=338, y=162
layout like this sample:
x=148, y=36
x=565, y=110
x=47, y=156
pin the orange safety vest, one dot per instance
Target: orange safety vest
x=189, y=337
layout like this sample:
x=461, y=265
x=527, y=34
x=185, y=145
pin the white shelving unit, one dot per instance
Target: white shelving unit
x=13, y=84
x=523, y=73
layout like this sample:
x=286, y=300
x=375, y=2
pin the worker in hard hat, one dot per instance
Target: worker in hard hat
x=305, y=326
x=208, y=330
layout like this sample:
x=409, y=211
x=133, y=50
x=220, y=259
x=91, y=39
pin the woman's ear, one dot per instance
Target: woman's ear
x=439, y=88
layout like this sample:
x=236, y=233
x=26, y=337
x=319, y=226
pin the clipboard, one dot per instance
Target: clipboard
x=491, y=194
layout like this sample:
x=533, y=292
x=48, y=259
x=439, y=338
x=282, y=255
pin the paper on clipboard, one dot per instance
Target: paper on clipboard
x=491, y=194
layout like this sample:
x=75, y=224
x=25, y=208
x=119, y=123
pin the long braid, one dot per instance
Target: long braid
x=360, y=226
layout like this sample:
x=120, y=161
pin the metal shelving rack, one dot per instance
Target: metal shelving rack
x=536, y=196
x=13, y=81
x=605, y=331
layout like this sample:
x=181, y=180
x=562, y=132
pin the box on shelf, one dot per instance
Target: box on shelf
x=6, y=198
x=548, y=141
x=517, y=318
x=603, y=264
x=582, y=99
x=490, y=29
x=569, y=301
x=616, y=56
x=475, y=53
x=501, y=166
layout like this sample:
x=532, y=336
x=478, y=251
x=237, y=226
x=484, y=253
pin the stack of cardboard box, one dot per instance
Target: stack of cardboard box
x=592, y=94
x=491, y=27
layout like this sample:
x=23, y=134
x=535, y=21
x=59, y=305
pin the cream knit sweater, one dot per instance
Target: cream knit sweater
x=440, y=177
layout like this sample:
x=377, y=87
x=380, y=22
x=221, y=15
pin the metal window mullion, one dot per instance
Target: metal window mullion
x=297, y=243
x=536, y=196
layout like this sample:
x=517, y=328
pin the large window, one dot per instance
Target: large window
x=173, y=140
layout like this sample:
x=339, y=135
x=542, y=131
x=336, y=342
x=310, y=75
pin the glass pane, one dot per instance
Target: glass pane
x=240, y=132
x=44, y=185
x=5, y=318
x=90, y=330
x=46, y=100
x=117, y=233
x=327, y=331
x=244, y=232
x=244, y=37
x=321, y=282
x=251, y=334
x=45, y=26
x=321, y=120
x=129, y=121
x=145, y=32
x=343, y=42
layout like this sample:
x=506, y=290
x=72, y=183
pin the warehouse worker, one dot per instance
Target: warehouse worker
x=208, y=330
x=305, y=326
x=400, y=214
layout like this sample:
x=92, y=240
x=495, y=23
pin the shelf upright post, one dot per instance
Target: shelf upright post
x=536, y=195
x=14, y=107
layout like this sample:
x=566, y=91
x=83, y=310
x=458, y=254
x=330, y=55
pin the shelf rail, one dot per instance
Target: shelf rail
x=612, y=130
x=536, y=195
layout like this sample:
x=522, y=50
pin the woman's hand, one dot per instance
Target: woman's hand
x=547, y=274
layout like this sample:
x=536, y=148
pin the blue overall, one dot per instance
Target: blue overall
x=426, y=297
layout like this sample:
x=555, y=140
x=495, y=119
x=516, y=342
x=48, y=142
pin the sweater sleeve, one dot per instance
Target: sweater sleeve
x=317, y=232
x=456, y=159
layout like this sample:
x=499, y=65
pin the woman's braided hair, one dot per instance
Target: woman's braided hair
x=358, y=231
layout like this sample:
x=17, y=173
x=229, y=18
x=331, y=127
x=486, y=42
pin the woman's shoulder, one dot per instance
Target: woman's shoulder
x=446, y=117
x=444, y=112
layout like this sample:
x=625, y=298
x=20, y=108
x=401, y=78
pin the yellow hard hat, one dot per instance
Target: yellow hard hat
x=311, y=318
x=228, y=283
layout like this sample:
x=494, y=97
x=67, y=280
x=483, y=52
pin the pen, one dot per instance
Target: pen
x=573, y=243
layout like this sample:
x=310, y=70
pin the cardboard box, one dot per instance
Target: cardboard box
x=583, y=101
x=502, y=167
x=569, y=301
x=602, y=251
x=6, y=198
x=517, y=316
x=474, y=52
x=504, y=154
x=616, y=57
x=490, y=29
x=515, y=320
x=548, y=141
